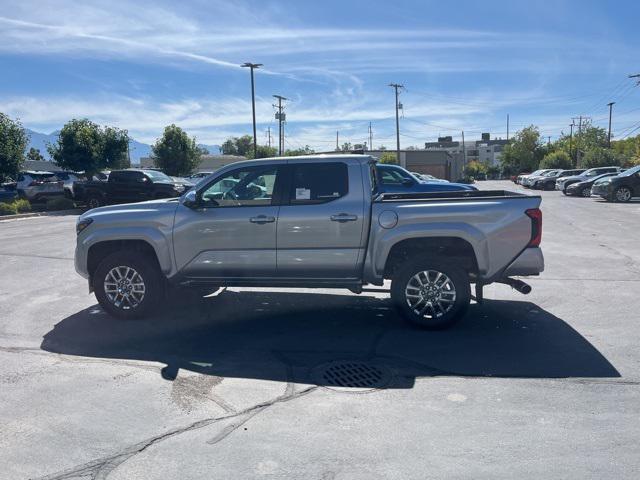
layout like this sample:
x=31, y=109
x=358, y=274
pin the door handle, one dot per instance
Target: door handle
x=344, y=217
x=262, y=219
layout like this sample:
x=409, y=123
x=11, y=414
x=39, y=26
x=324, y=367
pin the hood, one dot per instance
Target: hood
x=142, y=209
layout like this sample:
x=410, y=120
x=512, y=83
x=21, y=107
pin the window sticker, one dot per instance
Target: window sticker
x=303, y=194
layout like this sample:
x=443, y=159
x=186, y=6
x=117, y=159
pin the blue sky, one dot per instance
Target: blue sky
x=142, y=65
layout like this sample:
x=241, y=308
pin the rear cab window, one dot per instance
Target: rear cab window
x=313, y=183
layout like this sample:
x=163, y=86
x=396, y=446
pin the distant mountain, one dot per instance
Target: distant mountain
x=40, y=140
x=212, y=149
x=137, y=149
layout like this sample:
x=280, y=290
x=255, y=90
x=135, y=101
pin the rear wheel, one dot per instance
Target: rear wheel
x=95, y=201
x=128, y=285
x=431, y=293
x=585, y=192
x=623, y=194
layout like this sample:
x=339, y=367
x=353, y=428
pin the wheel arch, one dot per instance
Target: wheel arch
x=454, y=248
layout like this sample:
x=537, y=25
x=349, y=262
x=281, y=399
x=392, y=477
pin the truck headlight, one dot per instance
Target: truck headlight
x=82, y=224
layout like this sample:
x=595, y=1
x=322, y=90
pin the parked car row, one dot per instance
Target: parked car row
x=611, y=183
x=135, y=185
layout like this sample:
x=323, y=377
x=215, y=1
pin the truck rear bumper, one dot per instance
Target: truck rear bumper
x=529, y=262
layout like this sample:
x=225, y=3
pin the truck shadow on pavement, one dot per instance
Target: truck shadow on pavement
x=296, y=337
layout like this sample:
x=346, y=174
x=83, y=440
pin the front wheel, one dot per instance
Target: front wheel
x=623, y=194
x=586, y=192
x=431, y=293
x=128, y=285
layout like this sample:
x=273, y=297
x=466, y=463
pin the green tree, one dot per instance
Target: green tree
x=115, y=148
x=82, y=145
x=627, y=150
x=34, y=155
x=346, y=147
x=229, y=147
x=300, y=151
x=13, y=142
x=475, y=169
x=238, y=146
x=599, y=157
x=176, y=153
x=264, y=151
x=524, y=152
x=388, y=157
x=557, y=159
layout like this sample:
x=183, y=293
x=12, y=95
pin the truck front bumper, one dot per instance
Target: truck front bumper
x=529, y=262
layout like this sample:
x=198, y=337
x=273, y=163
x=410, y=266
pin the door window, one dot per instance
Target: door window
x=318, y=182
x=251, y=186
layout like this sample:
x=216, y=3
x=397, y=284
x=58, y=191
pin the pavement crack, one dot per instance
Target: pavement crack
x=100, y=468
x=5, y=254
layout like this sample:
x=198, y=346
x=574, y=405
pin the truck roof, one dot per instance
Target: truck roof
x=348, y=157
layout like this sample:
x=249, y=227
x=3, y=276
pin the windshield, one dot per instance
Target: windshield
x=157, y=176
x=630, y=172
x=550, y=174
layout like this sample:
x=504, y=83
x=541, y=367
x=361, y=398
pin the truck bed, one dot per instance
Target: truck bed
x=455, y=195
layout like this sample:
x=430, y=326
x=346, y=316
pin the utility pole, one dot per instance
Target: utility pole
x=252, y=66
x=396, y=86
x=280, y=117
x=610, y=104
x=571, y=142
x=269, y=135
x=337, y=141
x=507, y=127
x=370, y=137
x=549, y=140
x=464, y=152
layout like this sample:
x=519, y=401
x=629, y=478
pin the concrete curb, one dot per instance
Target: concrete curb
x=41, y=214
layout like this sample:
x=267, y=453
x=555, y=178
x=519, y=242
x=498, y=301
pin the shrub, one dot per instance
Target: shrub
x=8, y=208
x=557, y=159
x=388, y=157
x=599, y=157
x=60, y=203
x=22, y=205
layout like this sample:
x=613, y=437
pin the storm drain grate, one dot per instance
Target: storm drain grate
x=353, y=374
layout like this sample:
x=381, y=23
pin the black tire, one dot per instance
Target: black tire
x=95, y=201
x=549, y=186
x=620, y=194
x=458, y=278
x=586, y=192
x=149, y=272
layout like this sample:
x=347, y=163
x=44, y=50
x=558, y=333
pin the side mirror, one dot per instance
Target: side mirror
x=190, y=199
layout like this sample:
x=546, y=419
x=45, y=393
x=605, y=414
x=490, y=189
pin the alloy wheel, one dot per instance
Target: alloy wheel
x=124, y=287
x=430, y=294
x=623, y=194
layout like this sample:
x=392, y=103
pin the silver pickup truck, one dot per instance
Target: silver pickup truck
x=316, y=222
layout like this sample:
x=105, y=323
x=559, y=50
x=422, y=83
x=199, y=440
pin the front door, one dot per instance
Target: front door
x=320, y=230
x=232, y=234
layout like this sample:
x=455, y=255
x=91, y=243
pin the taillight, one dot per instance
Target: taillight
x=535, y=214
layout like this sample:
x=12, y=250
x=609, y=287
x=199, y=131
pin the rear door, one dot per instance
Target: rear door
x=320, y=226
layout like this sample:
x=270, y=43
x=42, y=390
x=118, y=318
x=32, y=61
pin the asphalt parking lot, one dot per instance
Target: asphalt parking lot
x=539, y=386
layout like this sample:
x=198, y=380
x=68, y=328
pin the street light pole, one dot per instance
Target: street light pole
x=251, y=66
